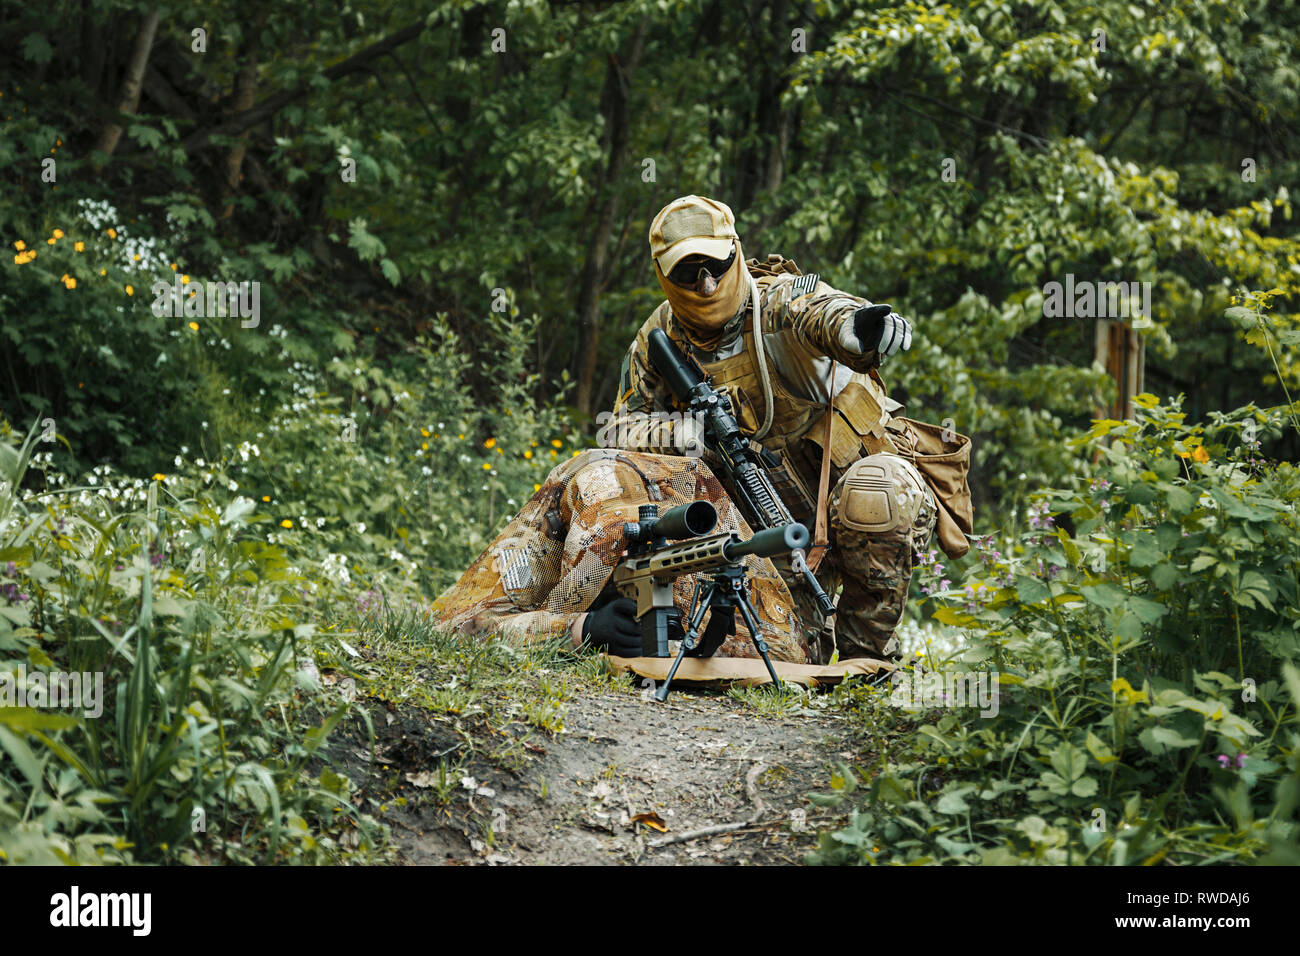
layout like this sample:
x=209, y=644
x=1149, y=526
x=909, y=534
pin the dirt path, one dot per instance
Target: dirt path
x=700, y=760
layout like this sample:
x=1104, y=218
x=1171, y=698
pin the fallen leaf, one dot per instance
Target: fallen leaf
x=652, y=820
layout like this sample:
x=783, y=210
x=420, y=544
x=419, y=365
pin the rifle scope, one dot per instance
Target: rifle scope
x=668, y=360
x=685, y=521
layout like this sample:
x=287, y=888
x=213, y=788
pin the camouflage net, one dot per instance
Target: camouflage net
x=555, y=556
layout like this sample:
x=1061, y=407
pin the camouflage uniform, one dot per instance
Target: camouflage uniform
x=550, y=563
x=802, y=318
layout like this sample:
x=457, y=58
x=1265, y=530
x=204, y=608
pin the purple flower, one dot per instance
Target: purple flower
x=1241, y=761
x=1224, y=760
x=943, y=585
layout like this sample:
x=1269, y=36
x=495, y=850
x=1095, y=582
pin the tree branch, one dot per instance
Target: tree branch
x=273, y=104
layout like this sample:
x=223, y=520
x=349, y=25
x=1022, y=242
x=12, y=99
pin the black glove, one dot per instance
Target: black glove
x=879, y=327
x=613, y=628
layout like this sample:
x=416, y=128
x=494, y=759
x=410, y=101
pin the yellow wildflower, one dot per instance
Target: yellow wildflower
x=266, y=497
x=130, y=290
x=70, y=282
x=79, y=246
x=50, y=242
x=490, y=443
x=1123, y=688
x=20, y=245
x=424, y=446
x=173, y=267
x=487, y=466
x=57, y=234
x=1201, y=454
x=536, y=487
x=185, y=280
x=424, y=432
x=160, y=477
x=103, y=272
x=286, y=523
x=528, y=454
x=112, y=233
x=194, y=326
x=556, y=443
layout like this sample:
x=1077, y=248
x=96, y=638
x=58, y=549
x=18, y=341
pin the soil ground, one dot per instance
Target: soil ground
x=628, y=780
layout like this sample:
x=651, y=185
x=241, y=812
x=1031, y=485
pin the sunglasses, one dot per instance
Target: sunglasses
x=687, y=272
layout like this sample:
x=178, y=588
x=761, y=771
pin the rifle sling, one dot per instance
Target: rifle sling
x=821, y=540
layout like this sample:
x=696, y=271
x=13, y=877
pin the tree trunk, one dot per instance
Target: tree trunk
x=130, y=98
x=618, y=79
x=245, y=91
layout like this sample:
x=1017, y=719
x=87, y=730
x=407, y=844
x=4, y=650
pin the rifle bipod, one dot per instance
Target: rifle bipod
x=723, y=593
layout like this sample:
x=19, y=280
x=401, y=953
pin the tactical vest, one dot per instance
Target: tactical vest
x=861, y=425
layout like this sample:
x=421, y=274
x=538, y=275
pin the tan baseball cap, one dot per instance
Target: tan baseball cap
x=691, y=225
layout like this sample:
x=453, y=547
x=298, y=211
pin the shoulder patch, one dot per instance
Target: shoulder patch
x=802, y=285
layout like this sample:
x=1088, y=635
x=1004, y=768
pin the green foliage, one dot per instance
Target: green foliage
x=203, y=745
x=211, y=595
x=1147, y=652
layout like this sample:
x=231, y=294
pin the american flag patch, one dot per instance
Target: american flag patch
x=802, y=285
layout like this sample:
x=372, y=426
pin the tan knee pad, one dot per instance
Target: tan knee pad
x=880, y=493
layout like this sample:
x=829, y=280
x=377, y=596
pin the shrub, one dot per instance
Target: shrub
x=1146, y=630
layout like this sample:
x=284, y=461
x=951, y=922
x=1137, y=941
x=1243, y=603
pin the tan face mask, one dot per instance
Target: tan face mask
x=703, y=316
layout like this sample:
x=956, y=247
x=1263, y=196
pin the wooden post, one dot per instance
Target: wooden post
x=1121, y=352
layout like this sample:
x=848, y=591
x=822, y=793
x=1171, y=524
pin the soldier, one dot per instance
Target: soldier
x=546, y=575
x=806, y=389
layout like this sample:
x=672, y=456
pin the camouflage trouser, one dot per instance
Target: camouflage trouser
x=881, y=514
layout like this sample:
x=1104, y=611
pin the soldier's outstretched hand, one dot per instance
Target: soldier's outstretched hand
x=877, y=327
